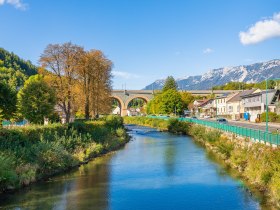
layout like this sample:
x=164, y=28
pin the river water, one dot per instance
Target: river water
x=154, y=171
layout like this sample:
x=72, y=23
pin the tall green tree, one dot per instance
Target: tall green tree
x=8, y=101
x=168, y=102
x=170, y=84
x=36, y=99
x=171, y=102
x=187, y=98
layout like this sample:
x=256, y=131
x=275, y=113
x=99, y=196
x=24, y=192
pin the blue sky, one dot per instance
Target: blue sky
x=147, y=39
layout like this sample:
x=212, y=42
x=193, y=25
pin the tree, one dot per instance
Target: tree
x=63, y=62
x=102, y=86
x=95, y=80
x=171, y=102
x=167, y=102
x=262, y=85
x=36, y=99
x=170, y=84
x=8, y=101
x=187, y=98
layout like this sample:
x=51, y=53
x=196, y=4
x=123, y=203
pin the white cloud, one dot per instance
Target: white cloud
x=125, y=75
x=18, y=4
x=207, y=51
x=261, y=30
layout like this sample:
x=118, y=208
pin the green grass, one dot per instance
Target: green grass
x=34, y=152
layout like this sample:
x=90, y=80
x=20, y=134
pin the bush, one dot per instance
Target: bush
x=8, y=176
x=41, y=151
x=272, y=117
x=114, y=121
x=176, y=126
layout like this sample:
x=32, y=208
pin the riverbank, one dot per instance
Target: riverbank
x=256, y=163
x=37, y=152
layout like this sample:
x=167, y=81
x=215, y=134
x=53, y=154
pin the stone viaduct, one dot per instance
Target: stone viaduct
x=125, y=96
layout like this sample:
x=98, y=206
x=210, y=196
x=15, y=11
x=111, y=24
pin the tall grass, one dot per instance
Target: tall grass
x=30, y=153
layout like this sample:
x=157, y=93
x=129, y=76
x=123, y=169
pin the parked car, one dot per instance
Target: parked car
x=222, y=121
x=206, y=117
x=194, y=117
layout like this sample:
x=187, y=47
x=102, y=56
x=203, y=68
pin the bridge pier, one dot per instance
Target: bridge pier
x=123, y=112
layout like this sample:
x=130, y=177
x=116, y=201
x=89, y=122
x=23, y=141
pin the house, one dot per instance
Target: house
x=235, y=107
x=194, y=107
x=255, y=103
x=220, y=103
x=206, y=108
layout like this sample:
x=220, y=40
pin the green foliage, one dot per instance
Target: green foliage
x=114, y=121
x=8, y=176
x=7, y=101
x=178, y=127
x=170, y=84
x=145, y=121
x=36, y=99
x=187, y=98
x=13, y=70
x=272, y=117
x=262, y=85
x=234, y=86
x=246, y=86
x=37, y=151
x=171, y=102
x=167, y=102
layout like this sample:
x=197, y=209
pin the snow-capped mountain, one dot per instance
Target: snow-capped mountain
x=246, y=73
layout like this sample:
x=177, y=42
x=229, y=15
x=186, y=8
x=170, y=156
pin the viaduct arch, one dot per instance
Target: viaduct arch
x=125, y=96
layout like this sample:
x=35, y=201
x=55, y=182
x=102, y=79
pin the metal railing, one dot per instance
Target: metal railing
x=253, y=134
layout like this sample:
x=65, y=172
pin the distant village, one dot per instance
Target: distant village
x=246, y=105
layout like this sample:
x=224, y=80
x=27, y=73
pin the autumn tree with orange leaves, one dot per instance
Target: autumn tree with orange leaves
x=82, y=79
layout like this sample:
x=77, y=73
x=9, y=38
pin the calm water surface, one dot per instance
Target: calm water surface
x=154, y=171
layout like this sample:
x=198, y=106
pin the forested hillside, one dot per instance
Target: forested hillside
x=14, y=70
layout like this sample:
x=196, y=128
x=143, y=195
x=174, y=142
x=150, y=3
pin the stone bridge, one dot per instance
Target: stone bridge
x=125, y=96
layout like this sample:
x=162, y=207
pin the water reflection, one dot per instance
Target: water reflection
x=170, y=158
x=154, y=171
x=84, y=188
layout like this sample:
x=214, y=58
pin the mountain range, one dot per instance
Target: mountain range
x=253, y=73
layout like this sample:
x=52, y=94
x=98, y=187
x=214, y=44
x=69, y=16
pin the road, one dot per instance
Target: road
x=257, y=126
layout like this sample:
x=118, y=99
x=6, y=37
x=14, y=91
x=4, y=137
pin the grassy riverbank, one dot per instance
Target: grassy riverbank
x=256, y=163
x=36, y=152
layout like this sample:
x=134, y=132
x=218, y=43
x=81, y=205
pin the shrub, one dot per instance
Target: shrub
x=41, y=151
x=8, y=176
x=272, y=117
x=176, y=126
x=114, y=121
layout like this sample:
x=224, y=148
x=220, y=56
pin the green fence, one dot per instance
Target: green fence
x=255, y=135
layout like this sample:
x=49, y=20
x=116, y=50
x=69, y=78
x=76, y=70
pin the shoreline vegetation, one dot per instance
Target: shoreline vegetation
x=33, y=153
x=255, y=163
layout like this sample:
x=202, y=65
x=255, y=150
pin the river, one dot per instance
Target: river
x=154, y=171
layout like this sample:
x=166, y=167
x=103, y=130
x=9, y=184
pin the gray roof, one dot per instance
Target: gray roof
x=239, y=96
x=259, y=93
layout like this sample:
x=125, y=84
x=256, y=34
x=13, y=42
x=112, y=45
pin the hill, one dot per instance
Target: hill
x=14, y=70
